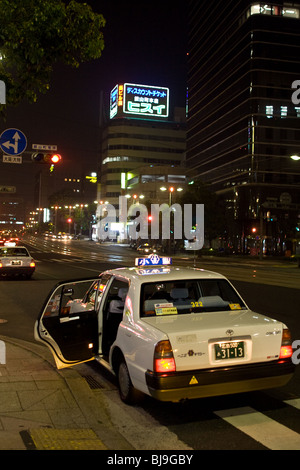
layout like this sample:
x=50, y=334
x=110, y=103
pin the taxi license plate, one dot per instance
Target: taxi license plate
x=229, y=350
x=16, y=263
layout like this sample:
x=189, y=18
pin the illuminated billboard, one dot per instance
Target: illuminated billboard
x=113, y=107
x=139, y=100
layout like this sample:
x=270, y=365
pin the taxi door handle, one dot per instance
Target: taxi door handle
x=66, y=319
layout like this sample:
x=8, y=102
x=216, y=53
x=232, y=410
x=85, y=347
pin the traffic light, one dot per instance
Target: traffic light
x=51, y=158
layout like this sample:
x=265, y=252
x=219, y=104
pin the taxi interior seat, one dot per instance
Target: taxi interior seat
x=180, y=296
x=115, y=315
x=117, y=305
x=213, y=301
x=149, y=305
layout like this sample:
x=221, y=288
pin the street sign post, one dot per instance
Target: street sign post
x=45, y=147
x=13, y=142
x=12, y=159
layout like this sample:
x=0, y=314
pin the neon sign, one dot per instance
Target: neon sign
x=113, y=106
x=146, y=100
x=139, y=100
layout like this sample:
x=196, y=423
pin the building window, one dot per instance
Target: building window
x=290, y=12
x=283, y=111
x=176, y=178
x=275, y=10
x=269, y=111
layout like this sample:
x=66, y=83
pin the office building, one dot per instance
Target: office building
x=243, y=126
x=142, y=147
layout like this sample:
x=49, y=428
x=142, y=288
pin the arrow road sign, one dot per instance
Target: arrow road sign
x=13, y=141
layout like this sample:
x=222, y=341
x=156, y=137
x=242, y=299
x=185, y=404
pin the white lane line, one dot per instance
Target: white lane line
x=295, y=402
x=260, y=427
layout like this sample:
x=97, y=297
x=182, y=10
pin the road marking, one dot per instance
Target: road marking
x=260, y=427
x=295, y=402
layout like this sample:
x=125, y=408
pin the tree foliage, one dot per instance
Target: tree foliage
x=36, y=34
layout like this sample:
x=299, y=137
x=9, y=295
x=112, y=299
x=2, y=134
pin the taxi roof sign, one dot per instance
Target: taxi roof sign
x=153, y=260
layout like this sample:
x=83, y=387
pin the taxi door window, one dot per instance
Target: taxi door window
x=96, y=291
x=71, y=321
x=77, y=296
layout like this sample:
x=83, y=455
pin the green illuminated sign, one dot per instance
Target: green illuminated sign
x=144, y=100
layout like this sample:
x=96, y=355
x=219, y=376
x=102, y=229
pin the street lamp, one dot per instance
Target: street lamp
x=295, y=157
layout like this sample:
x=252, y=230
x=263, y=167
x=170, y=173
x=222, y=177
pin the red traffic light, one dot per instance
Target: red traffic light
x=46, y=157
x=55, y=158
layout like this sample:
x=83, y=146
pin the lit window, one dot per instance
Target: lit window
x=255, y=9
x=269, y=111
x=263, y=9
x=266, y=9
x=283, y=111
x=297, y=109
x=290, y=12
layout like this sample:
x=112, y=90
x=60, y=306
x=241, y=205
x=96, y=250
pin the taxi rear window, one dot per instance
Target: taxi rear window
x=4, y=252
x=188, y=296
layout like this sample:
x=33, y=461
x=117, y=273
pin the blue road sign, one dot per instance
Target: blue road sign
x=13, y=142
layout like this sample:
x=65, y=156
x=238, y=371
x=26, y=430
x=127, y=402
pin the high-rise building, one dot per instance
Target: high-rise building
x=243, y=125
x=142, y=147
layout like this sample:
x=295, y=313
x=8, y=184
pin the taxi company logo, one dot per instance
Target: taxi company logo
x=229, y=332
x=2, y=353
x=191, y=217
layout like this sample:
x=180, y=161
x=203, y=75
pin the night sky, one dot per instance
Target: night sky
x=145, y=43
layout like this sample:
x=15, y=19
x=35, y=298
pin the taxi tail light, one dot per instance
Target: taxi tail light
x=1, y=265
x=32, y=263
x=164, y=361
x=286, y=349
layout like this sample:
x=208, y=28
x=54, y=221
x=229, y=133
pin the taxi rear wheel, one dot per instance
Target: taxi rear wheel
x=127, y=391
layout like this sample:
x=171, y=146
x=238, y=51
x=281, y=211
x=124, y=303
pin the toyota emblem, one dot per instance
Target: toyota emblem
x=229, y=332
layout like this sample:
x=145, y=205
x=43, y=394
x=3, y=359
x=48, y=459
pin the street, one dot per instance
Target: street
x=244, y=421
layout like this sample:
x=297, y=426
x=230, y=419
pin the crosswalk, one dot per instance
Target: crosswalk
x=263, y=420
x=263, y=429
x=243, y=427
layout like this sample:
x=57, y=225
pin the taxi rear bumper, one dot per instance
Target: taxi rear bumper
x=17, y=271
x=219, y=381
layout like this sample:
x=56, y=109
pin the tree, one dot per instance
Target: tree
x=36, y=34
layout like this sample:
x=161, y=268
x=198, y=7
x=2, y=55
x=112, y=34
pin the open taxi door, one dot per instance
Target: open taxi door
x=68, y=323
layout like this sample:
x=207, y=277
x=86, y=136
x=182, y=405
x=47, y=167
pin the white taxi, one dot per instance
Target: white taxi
x=171, y=333
x=16, y=261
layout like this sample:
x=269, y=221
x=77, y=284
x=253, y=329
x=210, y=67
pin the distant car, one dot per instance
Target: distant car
x=16, y=261
x=168, y=332
x=146, y=248
x=9, y=239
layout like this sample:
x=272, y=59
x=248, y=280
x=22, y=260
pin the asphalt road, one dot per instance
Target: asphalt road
x=246, y=421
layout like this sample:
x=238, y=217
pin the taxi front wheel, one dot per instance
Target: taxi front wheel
x=128, y=393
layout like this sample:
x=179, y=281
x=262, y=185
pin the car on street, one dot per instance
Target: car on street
x=16, y=261
x=9, y=238
x=169, y=332
x=146, y=248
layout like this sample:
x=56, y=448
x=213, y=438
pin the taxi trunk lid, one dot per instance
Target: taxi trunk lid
x=216, y=339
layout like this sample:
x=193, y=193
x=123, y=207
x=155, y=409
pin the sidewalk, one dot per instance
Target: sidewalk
x=42, y=408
